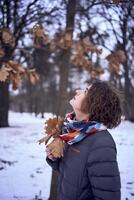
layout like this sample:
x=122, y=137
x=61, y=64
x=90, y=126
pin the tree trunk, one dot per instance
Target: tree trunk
x=4, y=104
x=129, y=96
x=53, y=190
x=64, y=74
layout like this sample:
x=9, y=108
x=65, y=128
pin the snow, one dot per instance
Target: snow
x=124, y=138
x=27, y=175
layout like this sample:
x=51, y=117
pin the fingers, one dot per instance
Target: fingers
x=55, y=152
x=55, y=148
x=51, y=157
x=49, y=154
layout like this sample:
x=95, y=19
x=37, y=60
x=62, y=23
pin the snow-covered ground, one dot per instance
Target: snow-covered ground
x=24, y=174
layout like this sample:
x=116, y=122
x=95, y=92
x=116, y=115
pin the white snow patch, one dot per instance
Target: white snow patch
x=29, y=175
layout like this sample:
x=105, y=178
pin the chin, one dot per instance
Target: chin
x=71, y=102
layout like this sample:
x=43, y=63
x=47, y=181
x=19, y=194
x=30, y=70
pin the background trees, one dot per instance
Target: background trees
x=59, y=57
x=16, y=17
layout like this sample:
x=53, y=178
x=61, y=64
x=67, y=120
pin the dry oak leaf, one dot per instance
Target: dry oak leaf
x=56, y=147
x=38, y=30
x=33, y=75
x=16, y=66
x=99, y=70
x=114, y=68
x=64, y=40
x=115, y=59
x=94, y=75
x=88, y=46
x=121, y=56
x=16, y=71
x=53, y=126
x=2, y=53
x=8, y=37
x=40, y=37
x=16, y=82
x=15, y=79
x=118, y=56
x=3, y=73
x=78, y=48
x=96, y=72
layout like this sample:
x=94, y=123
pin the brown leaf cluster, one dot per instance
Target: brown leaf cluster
x=33, y=75
x=115, y=59
x=85, y=46
x=56, y=147
x=39, y=36
x=7, y=37
x=96, y=72
x=53, y=127
x=82, y=61
x=14, y=72
x=2, y=53
x=62, y=40
x=80, y=49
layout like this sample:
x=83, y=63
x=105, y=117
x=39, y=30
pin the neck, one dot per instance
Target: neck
x=81, y=116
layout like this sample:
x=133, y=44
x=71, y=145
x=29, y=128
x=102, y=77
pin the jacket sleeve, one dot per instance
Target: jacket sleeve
x=104, y=174
x=53, y=163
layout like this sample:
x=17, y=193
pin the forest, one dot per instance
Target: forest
x=48, y=49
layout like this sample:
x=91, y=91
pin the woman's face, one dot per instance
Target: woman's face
x=77, y=100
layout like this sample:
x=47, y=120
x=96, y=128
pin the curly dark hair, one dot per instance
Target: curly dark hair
x=103, y=104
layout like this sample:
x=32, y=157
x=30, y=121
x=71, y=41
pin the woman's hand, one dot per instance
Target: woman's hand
x=49, y=154
x=55, y=149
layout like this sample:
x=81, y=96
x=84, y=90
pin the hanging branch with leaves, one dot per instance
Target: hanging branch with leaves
x=115, y=59
x=10, y=70
x=80, y=50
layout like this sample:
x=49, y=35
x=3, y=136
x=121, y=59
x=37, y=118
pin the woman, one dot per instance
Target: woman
x=89, y=168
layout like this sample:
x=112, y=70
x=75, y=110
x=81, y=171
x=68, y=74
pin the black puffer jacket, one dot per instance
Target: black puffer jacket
x=89, y=169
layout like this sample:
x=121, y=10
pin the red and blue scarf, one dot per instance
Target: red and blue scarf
x=74, y=131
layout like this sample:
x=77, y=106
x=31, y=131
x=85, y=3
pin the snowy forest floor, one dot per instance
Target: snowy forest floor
x=24, y=174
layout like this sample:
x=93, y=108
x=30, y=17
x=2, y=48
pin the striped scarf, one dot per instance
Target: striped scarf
x=74, y=131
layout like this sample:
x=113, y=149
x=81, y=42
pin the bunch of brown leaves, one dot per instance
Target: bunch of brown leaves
x=115, y=59
x=7, y=37
x=96, y=72
x=65, y=41
x=81, y=49
x=62, y=40
x=14, y=72
x=39, y=36
x=33, y=75
x=2, y=52
x=53, y=127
